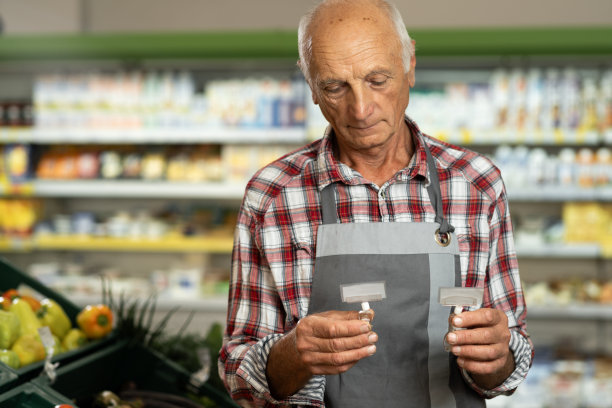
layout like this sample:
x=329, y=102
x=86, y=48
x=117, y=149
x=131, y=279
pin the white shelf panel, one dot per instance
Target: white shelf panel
x=137, y=189
x=152, y=136
x=574, y=311
x=588, y=251
x=209, y=304
x=555, y=193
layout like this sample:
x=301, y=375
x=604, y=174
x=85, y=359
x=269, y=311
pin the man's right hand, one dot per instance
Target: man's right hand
x=324, y=343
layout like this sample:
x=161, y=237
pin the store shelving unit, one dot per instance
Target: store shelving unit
x=153, y=136
x=480, y=48
x=128, y=189
x=220, y=243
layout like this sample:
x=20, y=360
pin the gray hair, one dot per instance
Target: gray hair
x=305, y=36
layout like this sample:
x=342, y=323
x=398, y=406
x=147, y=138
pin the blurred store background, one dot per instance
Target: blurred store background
x=129, y=129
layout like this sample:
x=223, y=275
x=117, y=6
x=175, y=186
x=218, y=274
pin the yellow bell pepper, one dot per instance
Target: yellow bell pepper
x=9, y=329
x=29, y=349
x=52, y=315
x=74, y=339
x=96, y=321
x=10, y=358
x=27, y=318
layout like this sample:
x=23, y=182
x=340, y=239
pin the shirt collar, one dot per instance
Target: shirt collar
x=330, y=170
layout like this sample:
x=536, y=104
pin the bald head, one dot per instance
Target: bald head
x=338, y=20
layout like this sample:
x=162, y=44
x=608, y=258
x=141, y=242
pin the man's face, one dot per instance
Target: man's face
x=358, y=77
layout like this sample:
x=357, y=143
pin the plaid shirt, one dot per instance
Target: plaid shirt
x=275, y=241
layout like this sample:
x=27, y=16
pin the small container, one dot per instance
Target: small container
x=458, y=299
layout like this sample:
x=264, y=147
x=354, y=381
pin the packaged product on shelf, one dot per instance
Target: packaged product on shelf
x=585, y=163
x=603, y=169
x=585, y=222
x=605, y=106
x=110, y=165
x=18, y=217
x=87, y=164
x=185, y=282
x=132, y=165
x=153, y=166
x=16, y=162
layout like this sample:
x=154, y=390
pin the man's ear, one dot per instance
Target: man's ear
x=315, y=100
x=411, y=78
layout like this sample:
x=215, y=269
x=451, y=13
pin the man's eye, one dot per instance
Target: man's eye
x=333, y=89
x=378, y=81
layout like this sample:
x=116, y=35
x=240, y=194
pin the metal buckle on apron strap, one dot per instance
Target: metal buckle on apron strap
x=442, y=238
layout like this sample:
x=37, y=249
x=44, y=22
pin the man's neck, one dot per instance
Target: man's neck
x=378, y=164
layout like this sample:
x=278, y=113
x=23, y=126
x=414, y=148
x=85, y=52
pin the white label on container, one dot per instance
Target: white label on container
x=363, y=292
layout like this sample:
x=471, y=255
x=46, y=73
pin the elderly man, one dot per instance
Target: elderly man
x=374, y=200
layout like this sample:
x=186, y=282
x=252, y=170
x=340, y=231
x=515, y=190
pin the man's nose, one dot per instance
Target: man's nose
x=361, y=105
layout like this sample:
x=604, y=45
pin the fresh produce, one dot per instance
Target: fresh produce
x=96, y=321
x=10, y=295
x=9, y=329
x=27, y=317
x=5, y=303
x=10, y=358
x=52, y=315
x=29, y=349
x=74, y=339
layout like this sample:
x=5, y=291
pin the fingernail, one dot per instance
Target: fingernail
x=460, y=362
x=457, y=321
x=456, y=350
x=451, y=338
x=372, y=350
x=373, y=338
x=365, y=328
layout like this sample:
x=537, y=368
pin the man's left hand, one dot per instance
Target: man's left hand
x=482, y=348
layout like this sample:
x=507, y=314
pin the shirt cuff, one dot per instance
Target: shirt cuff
x=253, y=370
x=521, y=349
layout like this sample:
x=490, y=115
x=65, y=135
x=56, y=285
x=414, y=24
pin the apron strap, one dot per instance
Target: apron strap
x=435, y=195
x=328, y=204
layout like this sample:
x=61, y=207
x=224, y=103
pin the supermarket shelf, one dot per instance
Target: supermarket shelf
x=214, y=303
x=235, y=191
x=557, y=193
x=128, y=189
x=584, y=311
x=587, y=251
x=209, y=244
x=293, y=135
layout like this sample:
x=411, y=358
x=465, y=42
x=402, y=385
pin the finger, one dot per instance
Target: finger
x=336, y=344
x=340, y=359
x=480, y=318
x=340, y=315
x=481, y=367
x=323, y=327
x=481, y=353
x=482, y=335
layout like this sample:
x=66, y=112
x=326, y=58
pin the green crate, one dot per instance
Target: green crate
x=119, y=364
x=8, y=378
x=11, y=278
x=29, y=395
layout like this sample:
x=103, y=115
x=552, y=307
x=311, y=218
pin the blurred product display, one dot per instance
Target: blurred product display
x=168, y=99
x=134, y=171
x=539, y=105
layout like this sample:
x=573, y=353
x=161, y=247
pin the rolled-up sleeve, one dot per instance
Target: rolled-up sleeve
x=255, y=322
x=505, y=293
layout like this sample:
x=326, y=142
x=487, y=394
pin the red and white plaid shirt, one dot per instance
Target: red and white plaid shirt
x=275, y=243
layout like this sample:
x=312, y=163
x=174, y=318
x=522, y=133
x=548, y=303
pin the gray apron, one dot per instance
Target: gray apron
x=410, y=367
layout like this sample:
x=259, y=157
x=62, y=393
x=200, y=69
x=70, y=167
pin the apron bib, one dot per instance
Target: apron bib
x=410, y=367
